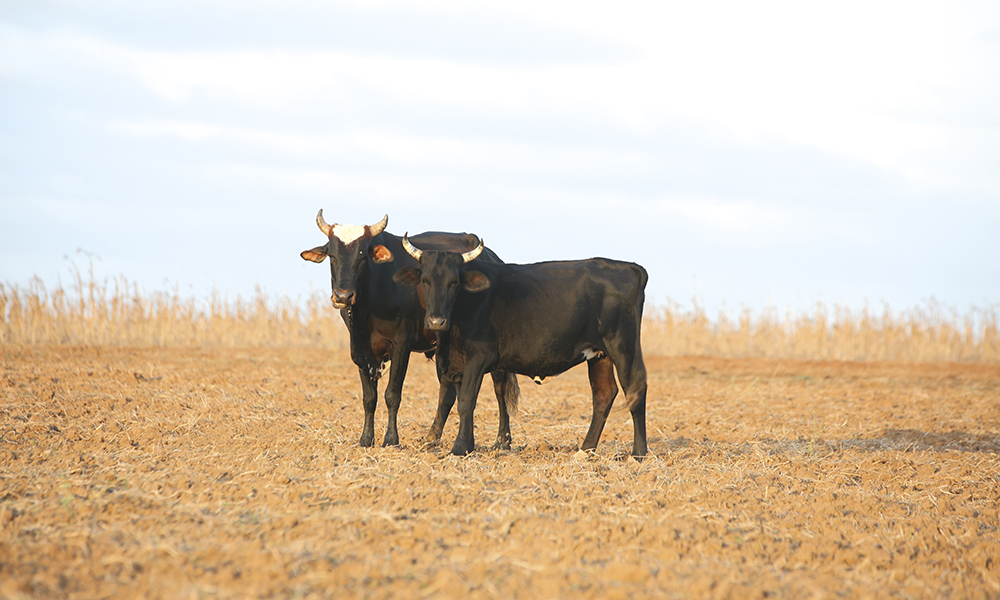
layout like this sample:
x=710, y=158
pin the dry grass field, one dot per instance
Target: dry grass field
x=227, y=465
x=230, y=473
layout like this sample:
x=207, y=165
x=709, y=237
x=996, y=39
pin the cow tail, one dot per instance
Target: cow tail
x=511, y=393
x=638, y=377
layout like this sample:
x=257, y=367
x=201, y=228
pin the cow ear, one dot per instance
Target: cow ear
x=408, y=276
x=381, y=254
x=316, y=255
x=474, y=281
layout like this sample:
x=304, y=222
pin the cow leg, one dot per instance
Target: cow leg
x=638, y=411
x=394, y=392
x=602, y=385
x=369, y=399
x=632, y=375
x=506, y=390
x=634, y=385
x=468, y=393
x=446, y=399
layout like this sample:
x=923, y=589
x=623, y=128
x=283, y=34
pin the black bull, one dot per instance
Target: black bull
x=384, y=319
x=537, y=320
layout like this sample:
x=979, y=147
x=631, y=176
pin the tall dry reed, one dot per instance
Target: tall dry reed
x=927, y=334
x=115, y=312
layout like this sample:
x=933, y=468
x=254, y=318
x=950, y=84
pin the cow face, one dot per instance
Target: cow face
x=440, y=276
x=349, y=248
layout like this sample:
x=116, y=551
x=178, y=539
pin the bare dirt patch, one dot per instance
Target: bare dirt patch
x=236, y=473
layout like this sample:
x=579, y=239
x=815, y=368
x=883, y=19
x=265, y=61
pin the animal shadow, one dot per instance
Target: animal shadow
x=910, y=440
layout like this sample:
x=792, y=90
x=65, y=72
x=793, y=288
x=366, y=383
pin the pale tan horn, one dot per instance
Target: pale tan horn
x=325, y=227
x=410, y=248
x=472, y=254
x=379, y=227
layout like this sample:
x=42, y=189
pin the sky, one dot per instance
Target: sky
x=747, y=154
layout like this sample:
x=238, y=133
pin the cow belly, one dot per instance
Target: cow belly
x=540, y=370
x=543, y=362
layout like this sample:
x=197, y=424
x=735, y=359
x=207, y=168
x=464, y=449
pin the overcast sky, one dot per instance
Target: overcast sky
x=745, y=153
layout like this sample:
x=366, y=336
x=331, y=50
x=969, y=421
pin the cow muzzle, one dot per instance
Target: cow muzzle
x=343, y=298
x=437, y=323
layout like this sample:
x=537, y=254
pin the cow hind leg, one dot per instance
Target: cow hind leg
x=447, y=393
x=632, y=375
x=604, y=389
x=507, y=392
x=638, y=410
x=634, y=384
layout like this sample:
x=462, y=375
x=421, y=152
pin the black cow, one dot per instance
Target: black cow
x=384, y=320
x=538, y=320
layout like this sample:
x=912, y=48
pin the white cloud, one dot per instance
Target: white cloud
x=855, y=78
x=867, y=79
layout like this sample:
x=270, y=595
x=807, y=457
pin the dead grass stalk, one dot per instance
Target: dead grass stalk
x=96, y=312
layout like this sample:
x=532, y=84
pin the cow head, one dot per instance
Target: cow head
x=349, y=248
x=441, y=274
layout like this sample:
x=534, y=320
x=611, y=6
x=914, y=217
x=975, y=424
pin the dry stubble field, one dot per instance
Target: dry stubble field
x=203, y=473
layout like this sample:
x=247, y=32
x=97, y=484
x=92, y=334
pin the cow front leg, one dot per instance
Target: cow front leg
x=467, y=395
x=369, y=399
x=602, y=386
x=394, y=394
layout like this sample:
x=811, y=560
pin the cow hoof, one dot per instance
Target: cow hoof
x=367, y=441
x=460, y=449
x=390, y=441
x=623, y=457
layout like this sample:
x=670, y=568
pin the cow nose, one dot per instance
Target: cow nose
x=437, y=323
x=343, y=298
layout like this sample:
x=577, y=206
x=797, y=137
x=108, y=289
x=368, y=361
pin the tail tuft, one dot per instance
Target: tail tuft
x=511, y=393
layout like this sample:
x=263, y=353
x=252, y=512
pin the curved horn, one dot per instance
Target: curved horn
x=472, y=254
x=325, y=227
x=410, y=248
x=379, y=227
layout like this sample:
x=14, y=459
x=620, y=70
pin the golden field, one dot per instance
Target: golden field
x=156, y=446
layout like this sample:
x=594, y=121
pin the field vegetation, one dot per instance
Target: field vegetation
x=114, y=312
x=158, y=446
